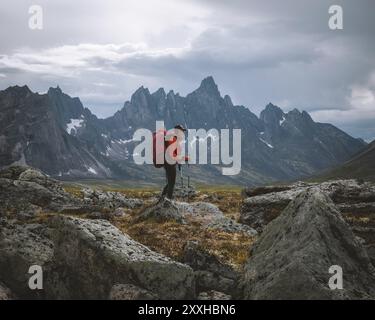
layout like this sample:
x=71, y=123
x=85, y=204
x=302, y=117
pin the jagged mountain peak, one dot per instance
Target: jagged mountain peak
x=306, y=115
x=141, y=90
x=208, y=85
x=295, y=110
x=297, y=115
x=171, y=93
x=272, y=114
x=228, y=100
x=270, y=106
x=160, y=93
x=55, y=90
x=141, y=94
x=19, y=90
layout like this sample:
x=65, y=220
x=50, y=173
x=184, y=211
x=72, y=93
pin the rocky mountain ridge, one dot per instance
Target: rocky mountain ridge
x=55, y=133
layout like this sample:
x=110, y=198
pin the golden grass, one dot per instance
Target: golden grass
x=169, y=238
x=76, y=191
x=228, y=201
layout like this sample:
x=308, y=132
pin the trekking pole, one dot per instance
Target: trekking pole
x=181, y=175
x=188, y=188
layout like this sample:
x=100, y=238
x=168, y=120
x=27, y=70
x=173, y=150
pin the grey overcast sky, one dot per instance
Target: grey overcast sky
x=257, y=51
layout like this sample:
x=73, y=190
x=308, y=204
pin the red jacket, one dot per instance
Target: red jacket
x=174, y=152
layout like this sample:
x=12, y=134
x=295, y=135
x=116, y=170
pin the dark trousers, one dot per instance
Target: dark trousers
x=170, y=173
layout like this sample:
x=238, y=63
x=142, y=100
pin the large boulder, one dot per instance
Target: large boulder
x=257, y=211
x=24, y=188
x=207, y=215
x=292, y=257
x=163, y=210
x=25, y=191
x=22, y=246
x=185, y=191
x=262, y=205
x=110, y=199
x=92, y=256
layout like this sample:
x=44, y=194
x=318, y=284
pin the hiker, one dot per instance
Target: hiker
x=170, y=169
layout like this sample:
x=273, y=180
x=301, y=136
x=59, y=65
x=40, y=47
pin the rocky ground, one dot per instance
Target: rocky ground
x=274, y=242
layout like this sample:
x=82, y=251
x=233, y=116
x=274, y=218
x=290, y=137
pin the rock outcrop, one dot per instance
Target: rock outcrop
x=305, y=229
x=90, y=257
x=22, y=246
x=130, y=292
x=258, y=211
x=163, y=210
x=203, y=213
x=213, y=295
x=110, y=199
x=87, y=259
x=264, y=204
x=25, y=191
x=185, y=191
x=292, y=258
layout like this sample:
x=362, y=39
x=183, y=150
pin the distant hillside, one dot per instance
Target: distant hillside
x=361, y=166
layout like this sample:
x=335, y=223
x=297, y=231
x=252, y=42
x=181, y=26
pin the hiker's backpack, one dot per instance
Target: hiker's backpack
x=158, y=140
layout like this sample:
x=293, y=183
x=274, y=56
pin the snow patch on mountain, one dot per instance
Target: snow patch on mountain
x=74, y=125
x=92, y=170
x=266, y=143
x=282, y=121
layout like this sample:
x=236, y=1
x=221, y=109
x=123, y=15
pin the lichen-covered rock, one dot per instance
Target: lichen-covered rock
x=292, y=257
x=130, y=292
x=92, y=255
x=110, y=199
x=264, y=204
x=164, y=210
x=22, y=246
x=185, y=191
x=203, y=213
x=213, y=295
x=252, y=192
x=22, y=188
x=12, y=172
x=258, y=211
x=200, y=210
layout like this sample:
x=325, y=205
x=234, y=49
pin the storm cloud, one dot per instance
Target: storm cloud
x=257, y=51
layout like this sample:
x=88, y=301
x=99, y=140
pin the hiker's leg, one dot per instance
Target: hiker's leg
x=171, y=178
x=165, y=189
